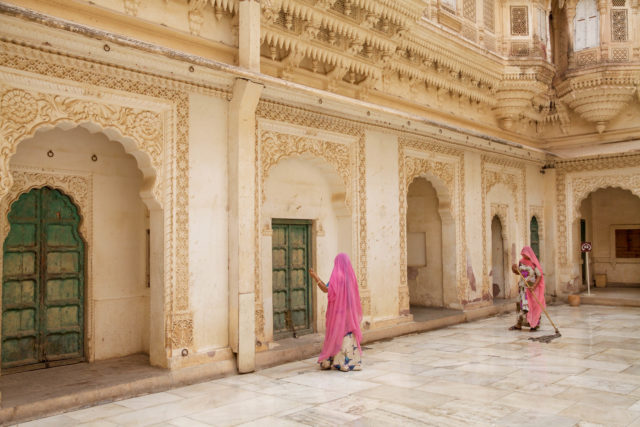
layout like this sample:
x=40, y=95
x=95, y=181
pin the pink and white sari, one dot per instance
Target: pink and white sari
x=344, y=312
x=535, y=309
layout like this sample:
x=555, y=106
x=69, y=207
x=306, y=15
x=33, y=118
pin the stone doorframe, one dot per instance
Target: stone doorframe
x=510, y=173
x=443, y=167
x=145, y=127
x=280, y=140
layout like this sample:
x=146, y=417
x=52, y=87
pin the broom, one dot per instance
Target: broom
x=545, y=338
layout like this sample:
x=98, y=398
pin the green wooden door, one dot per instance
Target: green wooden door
x=42, y=282
x=291, y=285
x=534, y=236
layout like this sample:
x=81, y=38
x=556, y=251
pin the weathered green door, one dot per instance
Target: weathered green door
x=535, y=238
x=42, y=282
x=291, y=286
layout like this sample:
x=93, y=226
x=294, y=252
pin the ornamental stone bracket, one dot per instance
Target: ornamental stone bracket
x=599, y=96
x=515, y=97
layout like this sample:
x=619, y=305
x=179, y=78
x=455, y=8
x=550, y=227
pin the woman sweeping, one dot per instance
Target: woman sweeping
x=341, y=349
x=531, y=284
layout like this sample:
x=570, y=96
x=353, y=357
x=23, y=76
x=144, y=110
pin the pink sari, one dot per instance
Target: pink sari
x=344, y=312
x=535, y=310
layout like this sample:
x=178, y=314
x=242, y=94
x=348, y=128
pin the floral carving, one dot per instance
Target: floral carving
x=182, y=330
x=24, y=112
x=19, y=106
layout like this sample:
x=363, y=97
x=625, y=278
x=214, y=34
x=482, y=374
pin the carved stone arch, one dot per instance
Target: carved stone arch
x=143, y=122
x=442, y=175
x=501, y=211
x=583, y=187
x=276, y=146
x=140, y=131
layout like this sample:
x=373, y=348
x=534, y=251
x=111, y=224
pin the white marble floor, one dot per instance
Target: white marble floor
x=471, y=374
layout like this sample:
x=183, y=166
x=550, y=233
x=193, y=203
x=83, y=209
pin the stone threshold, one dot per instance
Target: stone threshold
x=609, y=300
x=117, y=379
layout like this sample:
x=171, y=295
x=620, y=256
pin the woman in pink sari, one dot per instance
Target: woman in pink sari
x=529, y=311
x=341, y=349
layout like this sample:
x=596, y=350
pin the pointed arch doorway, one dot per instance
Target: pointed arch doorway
x=43, y=282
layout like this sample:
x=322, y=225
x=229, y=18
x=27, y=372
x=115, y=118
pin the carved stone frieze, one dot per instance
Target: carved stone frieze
x=23, y=112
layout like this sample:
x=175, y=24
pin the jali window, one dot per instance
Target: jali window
x=519, y=21
x=488, y=15
x=619, y=25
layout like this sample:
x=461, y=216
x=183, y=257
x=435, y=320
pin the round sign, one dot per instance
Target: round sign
x=586, y=247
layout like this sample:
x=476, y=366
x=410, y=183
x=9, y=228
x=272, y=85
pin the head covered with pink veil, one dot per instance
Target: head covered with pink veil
x=529, y=258
x=344, y=311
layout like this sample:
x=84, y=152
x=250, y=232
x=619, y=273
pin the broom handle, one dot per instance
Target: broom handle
x=538, y=301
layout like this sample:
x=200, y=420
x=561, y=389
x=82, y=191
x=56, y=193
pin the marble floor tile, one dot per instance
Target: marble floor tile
x=148, y=400
x=271, y=421
x=547, y=404
x=404, y=396
x=55, y=421
x=332, y=381
x=321, y=417
x=96, y=412
x=601, y=384
x=304, y=394
x=246, y=410
x=354, y=405
x=470, y=413
x=601, y=414
x=469, y=391
x=185, y=422
x=536, y=419
x=400, y=380
x=633, y=369
x=383, y=418
x=588, y=397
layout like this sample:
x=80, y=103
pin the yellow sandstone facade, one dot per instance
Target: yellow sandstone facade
x=428, y=139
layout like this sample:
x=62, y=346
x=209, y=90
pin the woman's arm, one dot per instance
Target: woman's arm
x=319, y=281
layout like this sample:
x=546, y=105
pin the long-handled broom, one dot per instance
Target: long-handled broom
x=545, y=338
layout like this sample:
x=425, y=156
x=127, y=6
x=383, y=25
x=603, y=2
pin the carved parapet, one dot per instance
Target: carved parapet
x=600, y=95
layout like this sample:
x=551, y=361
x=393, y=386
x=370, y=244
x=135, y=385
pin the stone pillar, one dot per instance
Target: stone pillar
x=605, y=29
x=249, y=34
x=571, y=14
x=159, y=353
x=242, y=217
